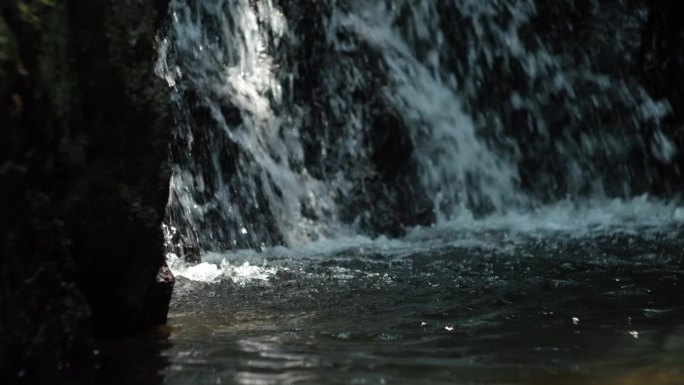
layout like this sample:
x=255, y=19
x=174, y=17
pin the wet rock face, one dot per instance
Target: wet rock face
x=583, y=120
x=386, y=198
x=660, y=63
x=84, y=131
x=633, y=43
x=324, y=88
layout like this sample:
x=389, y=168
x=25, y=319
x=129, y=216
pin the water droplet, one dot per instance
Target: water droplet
x=343, y=336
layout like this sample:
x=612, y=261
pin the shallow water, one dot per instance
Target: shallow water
x=471, y=303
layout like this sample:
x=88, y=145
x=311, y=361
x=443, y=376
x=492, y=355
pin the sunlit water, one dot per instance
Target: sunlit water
x=566, y=295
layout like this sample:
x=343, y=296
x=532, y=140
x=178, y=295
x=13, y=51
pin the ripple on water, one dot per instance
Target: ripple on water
x=600, y=308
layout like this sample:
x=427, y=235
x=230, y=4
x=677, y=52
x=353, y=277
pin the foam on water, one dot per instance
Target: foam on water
x=202, y=272
x=582, y=216
x=568, y=219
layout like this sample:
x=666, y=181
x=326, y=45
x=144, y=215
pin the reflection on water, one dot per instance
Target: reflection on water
x=441, y=307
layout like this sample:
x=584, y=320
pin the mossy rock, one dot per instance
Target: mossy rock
x=8, y=55
x=83, y=169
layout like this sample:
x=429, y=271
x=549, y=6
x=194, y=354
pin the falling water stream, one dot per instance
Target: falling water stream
x=418, y=192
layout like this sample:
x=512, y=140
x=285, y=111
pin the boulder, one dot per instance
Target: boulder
x=84, y=175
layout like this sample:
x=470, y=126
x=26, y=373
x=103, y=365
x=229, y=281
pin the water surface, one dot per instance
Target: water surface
x=592, y=300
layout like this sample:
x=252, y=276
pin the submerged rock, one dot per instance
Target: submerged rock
x=84, y=130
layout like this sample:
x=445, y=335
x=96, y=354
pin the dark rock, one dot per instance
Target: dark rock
x=660, y=63
x=552, y=126
x=386, y=197
x=85, y=125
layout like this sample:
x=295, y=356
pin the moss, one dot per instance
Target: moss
x=32, y=12
x=54, y=57
x=8, y=55
x=16, y=105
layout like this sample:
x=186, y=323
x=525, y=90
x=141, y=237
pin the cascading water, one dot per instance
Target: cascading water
x=281, y=107
x=375, y=192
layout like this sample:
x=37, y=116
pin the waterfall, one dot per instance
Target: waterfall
x=301, y=121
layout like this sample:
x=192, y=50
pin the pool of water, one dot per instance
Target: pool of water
x=503, y=302
x=480, y=306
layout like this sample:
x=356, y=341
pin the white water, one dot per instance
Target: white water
x=230, y=53
x=570, y=220
x=228, y=42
